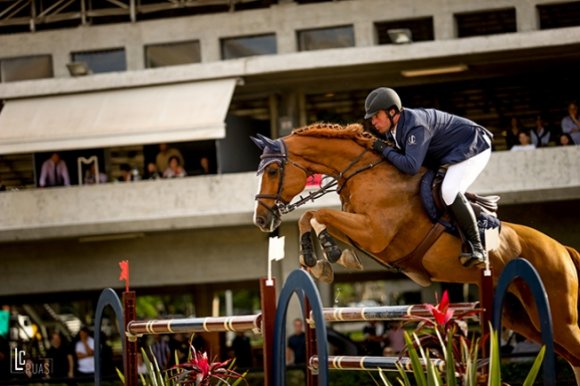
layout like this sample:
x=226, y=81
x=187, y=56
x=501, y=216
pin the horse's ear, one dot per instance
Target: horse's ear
x=258, y=142
x=271, y=143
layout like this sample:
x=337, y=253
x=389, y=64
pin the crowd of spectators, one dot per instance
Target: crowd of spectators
x=518, y=137
x=169, y=163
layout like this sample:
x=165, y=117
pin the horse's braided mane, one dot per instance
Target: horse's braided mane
x=353, y=131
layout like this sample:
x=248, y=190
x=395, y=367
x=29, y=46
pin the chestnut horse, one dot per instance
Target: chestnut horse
x=382, y=214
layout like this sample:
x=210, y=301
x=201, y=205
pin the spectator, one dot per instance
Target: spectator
x=395, y=338
x=565, y=140
x=540, y=135
x=126, y=175
x=179, y=347
x=296, y=350
x=91, y=176
x=512, y=134
x=374, y=339
x=161, y=351
x=54, y=172
x=84, y=350
x=571, y=123
x=152, y=172
x=203, y=167
x=164, y=156
x=174, y=170
x=62, y=357
x=141, y=366
x=242, y=350
x=525, y=142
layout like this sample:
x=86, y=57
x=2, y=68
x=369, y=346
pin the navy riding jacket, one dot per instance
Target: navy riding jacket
x=433, y=138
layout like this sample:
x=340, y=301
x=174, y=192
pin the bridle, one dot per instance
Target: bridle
x=336, y=183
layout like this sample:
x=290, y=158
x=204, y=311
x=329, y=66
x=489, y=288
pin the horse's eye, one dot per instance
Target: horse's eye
x=272, y=172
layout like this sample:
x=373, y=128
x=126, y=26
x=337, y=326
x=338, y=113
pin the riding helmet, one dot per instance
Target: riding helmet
x=382, y=98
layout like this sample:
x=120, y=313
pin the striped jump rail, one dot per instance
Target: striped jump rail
x=371, y=363
x=190, y=325
x=359, y=314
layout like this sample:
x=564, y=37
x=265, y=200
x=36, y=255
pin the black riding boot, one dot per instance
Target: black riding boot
x=465, y=217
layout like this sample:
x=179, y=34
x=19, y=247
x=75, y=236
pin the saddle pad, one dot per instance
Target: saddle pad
x=484, y=220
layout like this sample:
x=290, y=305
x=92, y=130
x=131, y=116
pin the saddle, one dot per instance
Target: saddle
x=484, y=207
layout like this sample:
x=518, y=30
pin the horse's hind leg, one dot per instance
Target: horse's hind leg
x=320, y=269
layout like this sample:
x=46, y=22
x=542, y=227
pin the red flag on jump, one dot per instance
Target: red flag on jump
x=124, y=273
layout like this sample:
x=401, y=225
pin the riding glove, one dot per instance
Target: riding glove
x=379, y=146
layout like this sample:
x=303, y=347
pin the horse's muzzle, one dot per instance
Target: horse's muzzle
x=268, y=220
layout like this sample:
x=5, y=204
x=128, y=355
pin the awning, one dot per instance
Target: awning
x=145, y=115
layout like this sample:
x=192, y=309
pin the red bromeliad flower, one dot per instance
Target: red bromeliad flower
x=441, y=312
x=198, y=371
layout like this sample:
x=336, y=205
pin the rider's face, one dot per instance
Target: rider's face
x=381, y=121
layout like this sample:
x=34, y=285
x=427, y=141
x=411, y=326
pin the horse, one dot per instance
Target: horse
x=382, y=214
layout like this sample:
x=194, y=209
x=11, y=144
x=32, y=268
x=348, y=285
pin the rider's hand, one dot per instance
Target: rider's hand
x=379, y=146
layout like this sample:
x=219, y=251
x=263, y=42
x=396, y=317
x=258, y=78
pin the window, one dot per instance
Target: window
x=486, y=22
x=172, y=54
x=559, y=15
x=241, y=47
x=421, y=29
x=26, y=68
x=103, y=60
x=325, y=38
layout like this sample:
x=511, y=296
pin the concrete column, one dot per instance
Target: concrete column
x=135, y=56
x=289, y=115
x=210, y=49
x=527, y=17
x=60, y=57
x=364, y=34
x=444, y=25
x=286, y=41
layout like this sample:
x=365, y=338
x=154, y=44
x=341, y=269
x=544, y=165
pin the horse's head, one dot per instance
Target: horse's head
x=280, y=180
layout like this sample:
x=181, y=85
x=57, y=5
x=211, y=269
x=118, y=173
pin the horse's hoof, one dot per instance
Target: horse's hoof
x=333, y=254
x=307, y=259
x=350, y=260
x=323, y=271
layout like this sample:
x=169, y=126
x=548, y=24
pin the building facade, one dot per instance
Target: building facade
x=93, y=79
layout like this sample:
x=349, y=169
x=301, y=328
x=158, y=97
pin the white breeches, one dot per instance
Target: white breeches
x=460, y=176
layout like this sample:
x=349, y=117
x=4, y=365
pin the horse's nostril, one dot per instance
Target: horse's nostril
x=260, y=221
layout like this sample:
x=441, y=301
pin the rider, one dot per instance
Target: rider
x=433, y=138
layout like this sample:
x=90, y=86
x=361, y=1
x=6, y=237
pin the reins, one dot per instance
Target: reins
x=335, y=185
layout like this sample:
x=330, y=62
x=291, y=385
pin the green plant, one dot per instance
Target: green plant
x=444, y=337
x=196, y=371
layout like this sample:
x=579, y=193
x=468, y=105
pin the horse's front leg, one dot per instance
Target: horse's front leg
x=307, y=253
x=320, y=269
x=349, y=227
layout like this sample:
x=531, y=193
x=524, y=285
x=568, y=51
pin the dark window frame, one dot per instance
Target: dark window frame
x=507, y=25
x=11, y=58
x=224, y=40
x=426, y=32
x=317, y=29
x=101, y=50
x=169, y=44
